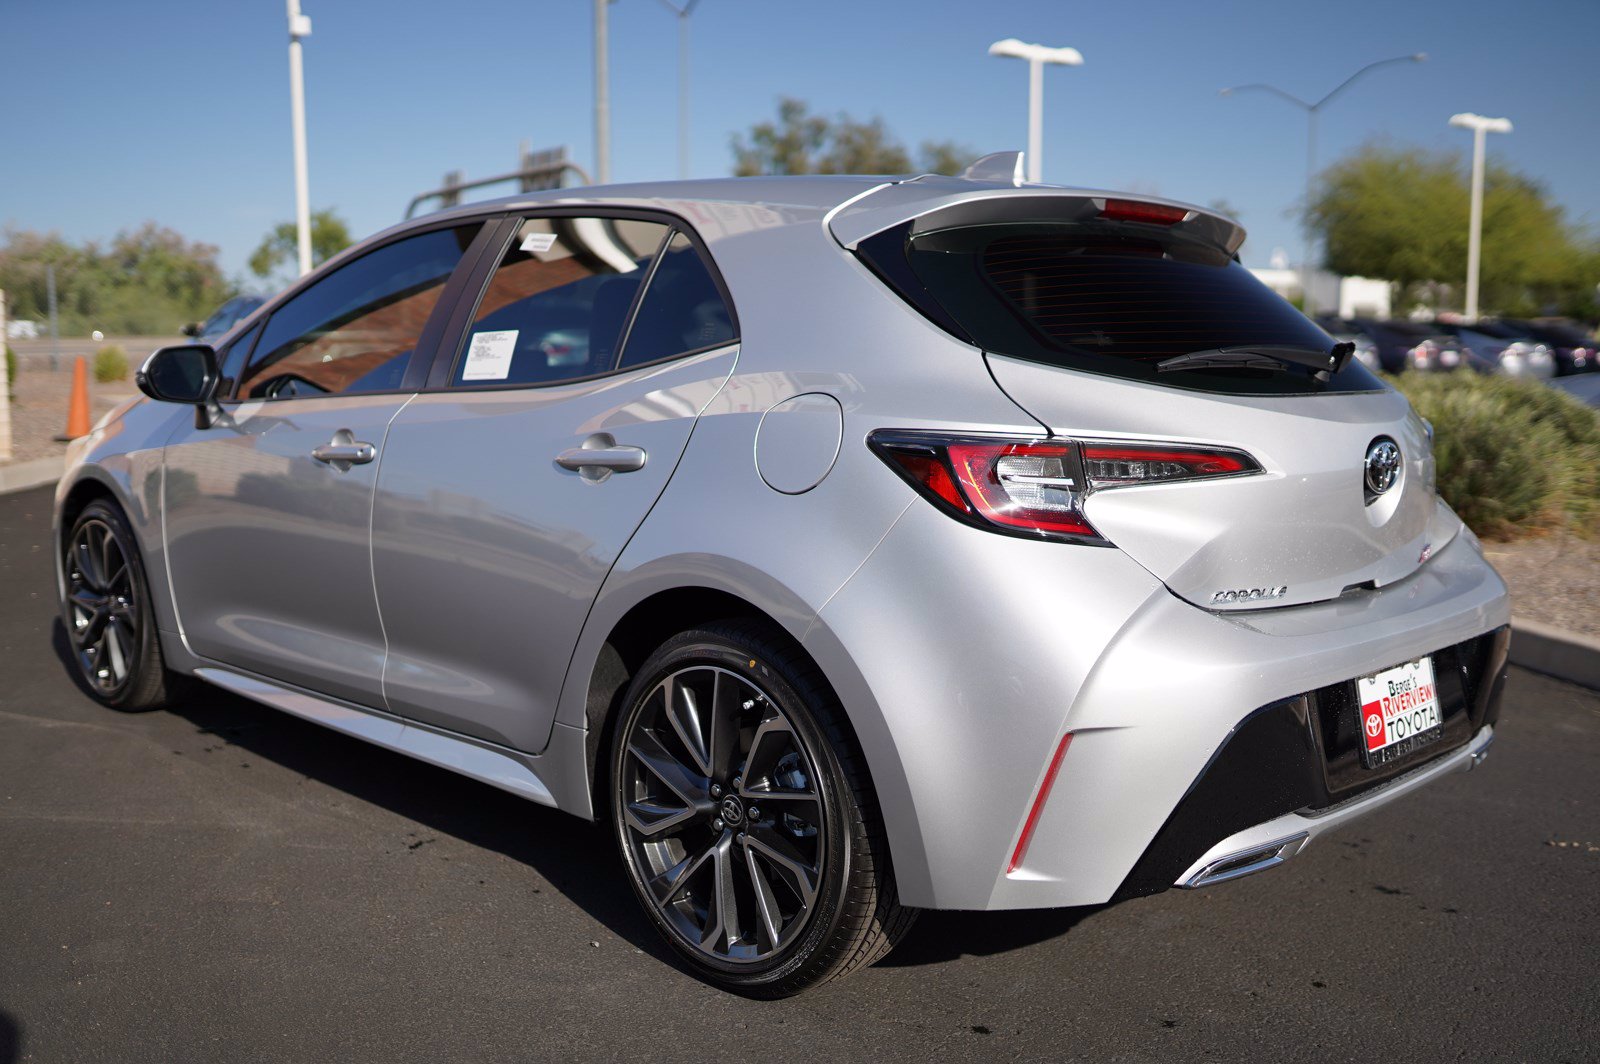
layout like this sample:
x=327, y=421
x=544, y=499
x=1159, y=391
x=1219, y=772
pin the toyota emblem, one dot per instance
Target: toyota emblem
x=1383, y=465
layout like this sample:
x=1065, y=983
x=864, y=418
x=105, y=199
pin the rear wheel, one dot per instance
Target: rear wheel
x=107, y=612
x=745, y=816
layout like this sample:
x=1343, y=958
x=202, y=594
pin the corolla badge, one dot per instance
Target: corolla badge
x=1249, y=594
x=1383, y=465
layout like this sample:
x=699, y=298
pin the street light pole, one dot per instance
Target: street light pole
x=1480, y=126
x=683, y=81
x=1037, y=56
x=602, y=96
x=1311, y=110
x=299, y=28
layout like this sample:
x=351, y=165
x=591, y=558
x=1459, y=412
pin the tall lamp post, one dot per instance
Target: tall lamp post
x=1479, y=126
x=602, y=95
x=683, y=14
x=1311, y=110
x=1037, y=56
x=299, y=29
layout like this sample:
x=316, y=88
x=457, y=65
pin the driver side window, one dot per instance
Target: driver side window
x=356, y=329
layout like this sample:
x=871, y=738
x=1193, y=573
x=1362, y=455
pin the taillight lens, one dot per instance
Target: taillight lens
x=1120, y=210
x=1036, y=488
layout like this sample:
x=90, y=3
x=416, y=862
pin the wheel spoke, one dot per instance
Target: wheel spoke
x=648, y=751
x=666, y=886
x=783, y=857
x=728, y=696
x=682, y=707
x=116, y=657
x=766, y=902
x=84, y=599
x=102, y=568
x=94, y=628
x=652, y=818
x=722, y=923
x=774, y=731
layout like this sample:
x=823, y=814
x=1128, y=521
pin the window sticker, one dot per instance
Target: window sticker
x=489, y=357
x=538, y=243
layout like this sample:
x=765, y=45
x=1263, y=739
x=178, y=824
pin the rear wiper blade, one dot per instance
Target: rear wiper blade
x=1265, y=356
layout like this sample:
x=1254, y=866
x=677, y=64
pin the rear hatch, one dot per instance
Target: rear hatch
x=1077, y=299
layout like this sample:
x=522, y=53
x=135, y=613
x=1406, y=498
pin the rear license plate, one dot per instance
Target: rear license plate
x=1399, y=712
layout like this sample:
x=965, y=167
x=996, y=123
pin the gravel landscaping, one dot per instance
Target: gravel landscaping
x=1553, y=579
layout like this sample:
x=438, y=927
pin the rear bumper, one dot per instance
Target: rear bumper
x=1269, y=844
x=973, y=678
x=1292, y=770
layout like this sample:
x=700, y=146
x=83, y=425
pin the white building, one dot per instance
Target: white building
x=1349, y=297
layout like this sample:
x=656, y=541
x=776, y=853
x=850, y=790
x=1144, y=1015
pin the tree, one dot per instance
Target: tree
x=802, y=143
x=150, y=280
x=1401, y=214
x=281, y=246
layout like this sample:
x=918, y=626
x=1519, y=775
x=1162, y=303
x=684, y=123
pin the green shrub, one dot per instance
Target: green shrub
x=11, y=372
x=110, y=364
x=1515, y=457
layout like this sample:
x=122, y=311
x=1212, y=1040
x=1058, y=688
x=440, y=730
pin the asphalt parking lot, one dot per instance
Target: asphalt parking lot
x=223, y=882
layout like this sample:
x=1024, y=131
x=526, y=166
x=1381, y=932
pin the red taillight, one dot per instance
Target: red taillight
x=929, y=473
x=1120, y=210
x=1031, y=486
x=1036, y=488
x=1018, y=854
x=1111, y=465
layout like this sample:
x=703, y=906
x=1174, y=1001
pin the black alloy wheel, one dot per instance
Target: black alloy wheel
x=745, y=819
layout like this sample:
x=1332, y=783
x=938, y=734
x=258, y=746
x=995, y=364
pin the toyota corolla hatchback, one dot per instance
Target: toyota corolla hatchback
x=849, y=546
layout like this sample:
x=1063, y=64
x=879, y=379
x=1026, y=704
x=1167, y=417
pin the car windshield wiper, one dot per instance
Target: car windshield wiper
x=1265, y=356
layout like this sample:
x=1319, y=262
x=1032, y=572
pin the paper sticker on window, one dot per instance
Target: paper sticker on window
x=538, y=243
x=489, y=357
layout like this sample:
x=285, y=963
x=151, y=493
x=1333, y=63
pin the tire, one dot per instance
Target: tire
x=746, y=818
x=106, y=608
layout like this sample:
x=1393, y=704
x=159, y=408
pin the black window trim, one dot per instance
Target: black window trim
x=444, y=365
x=433, y=331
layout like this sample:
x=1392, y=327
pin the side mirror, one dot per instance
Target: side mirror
x=191, y=329
x=183, y=374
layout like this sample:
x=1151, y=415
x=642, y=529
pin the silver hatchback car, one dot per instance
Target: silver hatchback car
x=850, y=545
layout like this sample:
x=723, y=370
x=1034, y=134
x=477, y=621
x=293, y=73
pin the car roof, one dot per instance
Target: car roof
x=855, y=206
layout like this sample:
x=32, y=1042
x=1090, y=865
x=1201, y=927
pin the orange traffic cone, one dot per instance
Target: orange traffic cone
x=78, y=405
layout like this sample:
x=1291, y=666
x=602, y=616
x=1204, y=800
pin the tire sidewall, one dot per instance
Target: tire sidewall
x=709, y=647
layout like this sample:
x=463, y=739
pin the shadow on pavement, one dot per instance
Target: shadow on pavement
x=946, y=936
x=576, y=857
x=10, y=1039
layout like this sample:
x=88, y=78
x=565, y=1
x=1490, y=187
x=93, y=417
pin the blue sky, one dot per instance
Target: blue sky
x=178, y=111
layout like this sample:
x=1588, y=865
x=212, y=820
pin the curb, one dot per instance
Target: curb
x=1556, y=652
x=20, y=476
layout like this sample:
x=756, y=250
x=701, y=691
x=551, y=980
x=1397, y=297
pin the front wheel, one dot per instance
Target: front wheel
x=107, y=612
x=745, y=817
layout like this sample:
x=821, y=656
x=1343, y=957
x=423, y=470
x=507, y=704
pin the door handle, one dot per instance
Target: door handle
x=344, y=451
x=601, y=455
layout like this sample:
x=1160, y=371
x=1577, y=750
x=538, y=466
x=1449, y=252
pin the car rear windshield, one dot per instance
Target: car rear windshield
x=1106, y=298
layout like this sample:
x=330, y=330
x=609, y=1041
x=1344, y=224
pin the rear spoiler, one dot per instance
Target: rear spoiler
x=935, y=202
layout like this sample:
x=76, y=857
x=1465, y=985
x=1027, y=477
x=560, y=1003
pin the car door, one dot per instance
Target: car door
x=507, y=493
x=267, y=507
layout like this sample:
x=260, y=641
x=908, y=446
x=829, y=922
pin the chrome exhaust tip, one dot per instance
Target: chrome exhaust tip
x=1246, y=862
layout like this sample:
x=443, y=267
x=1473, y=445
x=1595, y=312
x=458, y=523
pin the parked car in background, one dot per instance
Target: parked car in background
x=223, y=319
x=1575, y=349
x=1585, y=386
x=847, y=548
x=1511, y=351
x=1420, y=346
